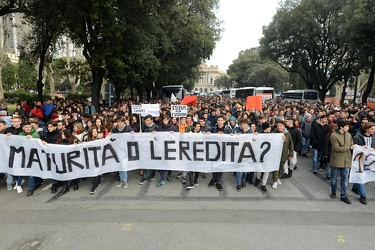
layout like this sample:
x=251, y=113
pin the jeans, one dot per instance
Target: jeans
x=216, y=176
x=238, y=178
x=123, y=176
x=9, y=180
x=18, y=180
x=306, y=144
x=193, y=177
x=162, y=174
x=328, y=169
x=344, y=173
x=144, y=176
x=317, y=154
x=361, y=188
x=33, y=181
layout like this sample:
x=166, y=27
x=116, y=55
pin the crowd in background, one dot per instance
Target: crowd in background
x=307, y=127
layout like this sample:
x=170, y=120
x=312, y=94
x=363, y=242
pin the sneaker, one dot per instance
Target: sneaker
x=169, y=178
x=93, y=190
x=314, y=171
x=196, y=183
x=238, y=188
x=278, y=181
x=143, y=181
x=119, y=184
x=219, y=186
x=333, y=195
x=257, y=181
x=243, y=184
x=212, y=183
x=29, y=193
x=190, y=186
x=19, y=189
x=346, y=200
x=183, y=180
x=264, y=189
x=363, y=200
x=274, y=185
x=15, y=186
x=9, y=187
x=355, y=190
x=179, y=175
x=125, y=185
x=160, y=183
x=152, y=178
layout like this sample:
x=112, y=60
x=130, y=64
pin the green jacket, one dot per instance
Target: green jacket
x=288, y=148
x=341, y=156
x=33, y=133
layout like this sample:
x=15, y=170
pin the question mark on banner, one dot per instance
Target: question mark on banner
x=265, y=151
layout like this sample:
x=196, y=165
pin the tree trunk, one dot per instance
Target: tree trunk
x=51, y=79
x=97, y=81
x=343, y=93
x=370, y=83
x=40, y=83
x=1, y=86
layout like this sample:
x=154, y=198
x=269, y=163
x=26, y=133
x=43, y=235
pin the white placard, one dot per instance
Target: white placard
x=179, y=110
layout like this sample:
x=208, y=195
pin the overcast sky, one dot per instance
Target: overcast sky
x=242, y=21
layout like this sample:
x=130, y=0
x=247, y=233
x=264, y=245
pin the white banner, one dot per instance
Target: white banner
x=363, y=167
x=179, y=111
x=21, y=156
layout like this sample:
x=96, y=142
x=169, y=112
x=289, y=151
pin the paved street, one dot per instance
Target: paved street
x=299, y=214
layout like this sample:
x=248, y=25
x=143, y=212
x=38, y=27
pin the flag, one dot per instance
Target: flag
x=254, y=102
x=173, y=98
x=189, y=99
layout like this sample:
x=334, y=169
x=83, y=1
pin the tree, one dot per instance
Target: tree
x=12, y=6
x=304, y=37
x=268, y=75
x=41, y=42
x=27, y=75
x=223, y=82
x=359, y=31
x=242, y=67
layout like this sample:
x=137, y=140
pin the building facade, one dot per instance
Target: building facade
x=209, y=74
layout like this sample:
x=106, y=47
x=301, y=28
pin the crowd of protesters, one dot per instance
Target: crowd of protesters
x=329, y=132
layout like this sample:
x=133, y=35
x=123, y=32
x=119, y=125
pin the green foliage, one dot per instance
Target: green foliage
x=27, y=75
x=22, y=95
x=80, y=97
x=9, y=76
x=305, y=37
x=223, y=82
x=242, y=67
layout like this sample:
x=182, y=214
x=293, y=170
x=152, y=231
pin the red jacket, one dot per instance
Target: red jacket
x=38, y=112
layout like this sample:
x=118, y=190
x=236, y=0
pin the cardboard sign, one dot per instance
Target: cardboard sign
x=179, y=110
x=254, y=102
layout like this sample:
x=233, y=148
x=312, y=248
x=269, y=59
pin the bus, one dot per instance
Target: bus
x=303, y=95
x=178, y=90
x=267, y=93
x=245, y=92
x=231, y=93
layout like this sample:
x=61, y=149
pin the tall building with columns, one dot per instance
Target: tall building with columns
x=209, y=74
